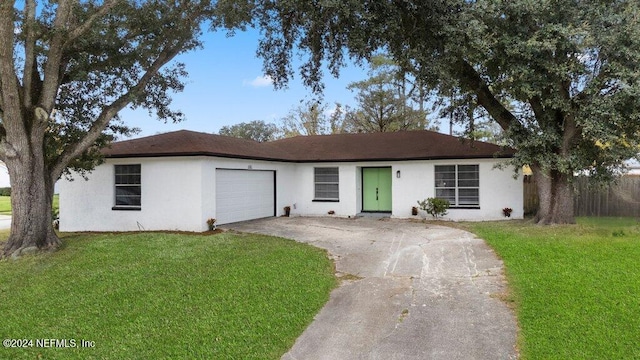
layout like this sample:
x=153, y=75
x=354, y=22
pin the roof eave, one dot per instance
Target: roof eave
x=261, y=158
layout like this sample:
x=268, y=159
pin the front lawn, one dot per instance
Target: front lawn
x=157, y=295
x=5, y=204
x=576, y=288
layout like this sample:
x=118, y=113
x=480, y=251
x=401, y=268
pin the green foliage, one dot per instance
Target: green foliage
x=574, y=286
x=434, y=206
x=67, y=68
x=390, y=100
x=109, y=55
x=561, y=78
x=154, y=295
x=314, y=118
x=256, y=130
x=5, y=191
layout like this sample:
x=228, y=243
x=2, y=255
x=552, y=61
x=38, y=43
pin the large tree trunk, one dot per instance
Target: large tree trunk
x=31, y=205
x=555, y=194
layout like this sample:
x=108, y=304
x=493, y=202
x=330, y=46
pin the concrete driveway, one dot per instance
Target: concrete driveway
x=5, y=221
x=411, y=291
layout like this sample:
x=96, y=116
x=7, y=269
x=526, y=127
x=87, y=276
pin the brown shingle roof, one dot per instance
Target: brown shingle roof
x=187, y=143
x=404, y=145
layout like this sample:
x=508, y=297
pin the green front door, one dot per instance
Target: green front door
x=376, y=189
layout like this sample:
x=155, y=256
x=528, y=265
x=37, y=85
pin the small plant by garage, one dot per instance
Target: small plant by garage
x=211, y=224
x=434, y=206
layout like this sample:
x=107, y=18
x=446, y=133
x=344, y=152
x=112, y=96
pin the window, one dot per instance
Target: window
x=326, y=183
x=460, y=184
x=128, y=187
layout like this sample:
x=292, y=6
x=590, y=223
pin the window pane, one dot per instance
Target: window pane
x=326, y=174
x=468, y=183
x=468, y=176
x=445, y=168
x=445, y=175
x=128, y=195
x=326, y=178
x=128, y=169
x=447, y=194
x=468, y=168
x=468, y=197
x=327, y=191
x=128, y=179
x=127, y=190
x=326, y=183
x=127, y=184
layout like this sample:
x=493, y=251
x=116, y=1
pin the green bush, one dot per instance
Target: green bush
x=434, y=206
x=5, y=191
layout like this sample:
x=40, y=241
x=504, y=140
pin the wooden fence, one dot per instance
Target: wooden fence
x=617, y=199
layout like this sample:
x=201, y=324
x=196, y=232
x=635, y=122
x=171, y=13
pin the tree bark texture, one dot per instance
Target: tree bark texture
x=555, y=192
x=31, y=205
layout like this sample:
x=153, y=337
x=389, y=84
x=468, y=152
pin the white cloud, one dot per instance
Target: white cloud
x=260, y=81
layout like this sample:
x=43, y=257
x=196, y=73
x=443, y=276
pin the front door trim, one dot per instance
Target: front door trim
x=362, y=176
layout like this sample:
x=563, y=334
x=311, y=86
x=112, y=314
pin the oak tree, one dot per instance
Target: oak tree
x=560, y=77
x=66, y=69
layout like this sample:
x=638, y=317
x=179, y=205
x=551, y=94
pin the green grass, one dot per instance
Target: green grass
x=576, y=288
x=157, y=295
x=5, y=204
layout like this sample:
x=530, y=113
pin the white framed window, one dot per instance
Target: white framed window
x=326, y=181
x=128, y=187
x=459, y=184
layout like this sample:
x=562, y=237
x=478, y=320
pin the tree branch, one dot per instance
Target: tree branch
x=9, y=84
x=54, y=56
x=75, y=150
x=30, y=65
x=472, y=80
x=84, y=27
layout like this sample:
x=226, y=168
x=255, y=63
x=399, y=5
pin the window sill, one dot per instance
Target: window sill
x=126, y=208
x=320, y=200
x=465, y=207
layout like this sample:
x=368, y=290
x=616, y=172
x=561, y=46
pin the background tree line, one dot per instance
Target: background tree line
x=389, y=100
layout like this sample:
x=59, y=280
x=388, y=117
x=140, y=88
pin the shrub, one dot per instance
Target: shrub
x=434, y=206
x=5, y=191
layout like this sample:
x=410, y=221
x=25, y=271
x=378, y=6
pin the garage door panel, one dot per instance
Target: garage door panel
x=244, y=195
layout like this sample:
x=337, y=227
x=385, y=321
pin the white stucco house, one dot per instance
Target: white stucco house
x=4, y=175
x=178, y=180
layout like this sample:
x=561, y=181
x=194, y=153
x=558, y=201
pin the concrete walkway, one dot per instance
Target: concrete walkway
x=5, y=221
x=416, y=291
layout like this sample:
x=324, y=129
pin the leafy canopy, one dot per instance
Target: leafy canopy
x=558, y=76
x=256, y=130
x=75, y=64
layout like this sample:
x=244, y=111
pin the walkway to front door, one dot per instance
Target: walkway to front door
x=376, y=189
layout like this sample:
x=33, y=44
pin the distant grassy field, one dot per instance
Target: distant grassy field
x=5, y=204
x=575, y=287
x=164, y=296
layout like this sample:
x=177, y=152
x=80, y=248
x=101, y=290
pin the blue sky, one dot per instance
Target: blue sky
x=226, y=86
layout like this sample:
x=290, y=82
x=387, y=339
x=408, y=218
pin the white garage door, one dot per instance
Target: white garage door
x=244, y=195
